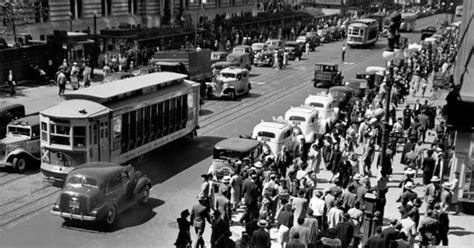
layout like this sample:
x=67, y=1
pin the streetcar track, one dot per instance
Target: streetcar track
x=14, y=179
x=24, y=196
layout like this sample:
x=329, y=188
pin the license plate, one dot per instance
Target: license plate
x=73, y=204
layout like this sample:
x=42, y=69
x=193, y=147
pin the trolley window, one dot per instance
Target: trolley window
x=44, y=131
x=60, y=135
x=79, y=136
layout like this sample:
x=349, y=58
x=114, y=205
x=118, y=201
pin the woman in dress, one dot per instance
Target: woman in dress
x=184, y=236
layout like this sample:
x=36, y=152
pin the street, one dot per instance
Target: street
x=175, y=169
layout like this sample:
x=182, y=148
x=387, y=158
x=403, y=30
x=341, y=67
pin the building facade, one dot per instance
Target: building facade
x=43, y=16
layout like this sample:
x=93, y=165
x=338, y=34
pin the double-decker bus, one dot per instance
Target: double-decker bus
x=118, y=121
x=363, y=32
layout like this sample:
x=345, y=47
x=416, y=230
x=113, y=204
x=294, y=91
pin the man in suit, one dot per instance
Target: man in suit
x=261, y=238
x=251, y=192
x=219, y=229
x=295, y=241
x=222, y=204
x=199, y=215
x=390, y=233
x=376, y=241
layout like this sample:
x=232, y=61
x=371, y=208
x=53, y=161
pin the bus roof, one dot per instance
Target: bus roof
x=364, y=21
x=76, y=108
x=31, y=120
x=104, y=92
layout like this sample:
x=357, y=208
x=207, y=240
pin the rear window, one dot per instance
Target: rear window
x=316, y=105
x=76, y=181
x=297, y=118
x=15, y=130
x=266, y=134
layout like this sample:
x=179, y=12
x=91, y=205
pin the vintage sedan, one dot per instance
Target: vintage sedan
x=100, y=191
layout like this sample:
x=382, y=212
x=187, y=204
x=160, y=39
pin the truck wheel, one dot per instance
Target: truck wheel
x=146, y=195
x=20, y=164
x=232, y=95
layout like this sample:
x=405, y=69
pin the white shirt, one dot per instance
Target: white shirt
x=317, y=205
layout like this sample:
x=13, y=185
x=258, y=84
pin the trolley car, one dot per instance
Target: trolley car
x=363, y=32
x=118, y=121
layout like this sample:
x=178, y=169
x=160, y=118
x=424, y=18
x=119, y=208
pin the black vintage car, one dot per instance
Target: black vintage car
x=428, y=32
x=295, y=50
x=100, y=191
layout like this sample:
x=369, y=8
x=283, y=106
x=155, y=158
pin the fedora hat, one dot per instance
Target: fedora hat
x=262, y=223
x=226, y=179
x=447, y=185
x=409, y=171
x=409, y=185
x=435, y=179
x=357, y=177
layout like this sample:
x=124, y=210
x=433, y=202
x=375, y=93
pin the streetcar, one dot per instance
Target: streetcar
x=117, y=122
x=363, y=32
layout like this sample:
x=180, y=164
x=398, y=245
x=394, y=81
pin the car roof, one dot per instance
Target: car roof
x=233, y=70
x=341, y=88
x=98, y=170
x=31, y=120
x=237, y=144
x=11, y=107
x=301, y=110
x=272, y=125
x=326, y=63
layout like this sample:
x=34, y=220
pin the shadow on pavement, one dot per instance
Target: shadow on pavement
x=204, y=112
x=167, y=161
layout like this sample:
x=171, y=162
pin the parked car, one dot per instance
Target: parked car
x=20, y=149
x=326, y=75
x=305, y=119
x=324, y=35
x=245, y=49
x=230, y=82
x=343, y=97
x=328, y=112
x=243, y=59
x=294, y=49
x=273, y=44
x=229, y=151
x=264, y=58
x=218, y=56
x=275, y=135
x=313, y=37
x=100, y=191
x=428, y=32
x=258, y=47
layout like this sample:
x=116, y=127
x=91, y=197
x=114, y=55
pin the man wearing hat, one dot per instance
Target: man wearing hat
x=225, y=185
x=61, y=80
x=408, y=194
x=236, y=183
x=199, y=215
x=428, y=167
x=409, y=173
x=250, y=192
x=219, y=228
x=205, y=187
x=446, y=195
x=433, y=192
x=222, y=204
x=261, y=238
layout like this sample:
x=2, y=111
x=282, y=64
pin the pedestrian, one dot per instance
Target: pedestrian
x=184, y=235
x=304, y=232
x=318, y=206
x=61, y=81
x=312, y=223
x=285, y=223
x=236, y=183
x=261, y=238
x=250, y=192
x=428, y=167
x=390, y=233
x=296, y=242
x=199, y=216
x=219, y=229
x=345, y=231
x=11, y=83
x=376, y=241
x=455, y=193
x=86, y=75
x=307, y=48
x=335, y=214
x=443, y=225
x=429, y=227
x=433, y=192
x=343, y=55
x=300, y=206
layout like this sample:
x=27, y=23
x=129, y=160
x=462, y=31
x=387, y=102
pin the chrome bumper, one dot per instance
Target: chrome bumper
x=73, y=216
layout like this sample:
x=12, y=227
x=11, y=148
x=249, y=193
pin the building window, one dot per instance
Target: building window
x=76, y=9
x=132, y=6
x=106, y=7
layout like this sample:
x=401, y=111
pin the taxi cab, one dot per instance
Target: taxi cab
x=305, y=118
x=275, y=134
x=328, y=113
x=230, y=82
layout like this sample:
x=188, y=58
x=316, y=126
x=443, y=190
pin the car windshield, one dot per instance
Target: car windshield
x=228, y=75
x=238, y=50
x=13, y=130
x=81, y=181
x=297, y=118
x=266, y=134
x=316, y=104
x=338, y=95
x=228, y=154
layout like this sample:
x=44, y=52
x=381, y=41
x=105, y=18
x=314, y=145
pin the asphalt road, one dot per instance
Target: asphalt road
x=175, y=168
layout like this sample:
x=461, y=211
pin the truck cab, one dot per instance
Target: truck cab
x=326, y=75
x=230, y=82
x=305, y=118
x=20, y=149
x=275, y=134
x=327, y=111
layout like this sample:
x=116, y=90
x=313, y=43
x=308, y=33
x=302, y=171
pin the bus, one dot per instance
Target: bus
x=408, y=22
x=117, y=122
x=363, y=32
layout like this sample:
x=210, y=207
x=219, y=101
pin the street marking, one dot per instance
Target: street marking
x=348, y=63
x=259, y=83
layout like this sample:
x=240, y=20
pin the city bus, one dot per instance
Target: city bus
x=362, y=32
x=118, y=121
x=408, y=22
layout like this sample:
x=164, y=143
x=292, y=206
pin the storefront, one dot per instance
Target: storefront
x=79, y=46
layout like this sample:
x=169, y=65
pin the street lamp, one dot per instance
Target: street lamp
x=70, y=21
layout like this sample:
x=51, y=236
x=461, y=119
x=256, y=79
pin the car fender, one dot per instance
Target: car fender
x=17, y=152
x=142, y=183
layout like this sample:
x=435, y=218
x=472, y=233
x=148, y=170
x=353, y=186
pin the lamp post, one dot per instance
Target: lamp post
x=70, y=21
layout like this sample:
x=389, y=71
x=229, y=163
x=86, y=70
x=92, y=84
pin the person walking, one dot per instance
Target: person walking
x=307, y=48
x=261, y=238
x=428, y=167
x=236, y=190
x=199, y=216
x=345, y=231
x=11, y=83
x=184, y=235
x=343, y=55
x=61, y=81
x=296, y=242
x=219, y=229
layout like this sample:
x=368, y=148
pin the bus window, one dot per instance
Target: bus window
x=133, y=129
x=160, y=119
x=95, y=134
x=172, y=115
x=125, y=132
x=146, y=132
x=166, y=118
x=44, y=131
x=79, y=136
x=101, y=130
x=139, y=127
x=154, y=122
x=60, y=134
x=190, y=106
x=179, y=110
x=117, y=133
x=184, y=114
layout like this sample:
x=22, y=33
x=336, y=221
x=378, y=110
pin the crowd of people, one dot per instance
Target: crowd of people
x=280, y=191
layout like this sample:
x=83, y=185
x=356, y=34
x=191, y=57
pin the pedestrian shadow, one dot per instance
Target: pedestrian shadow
x=460, y=233
x=204, y=112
